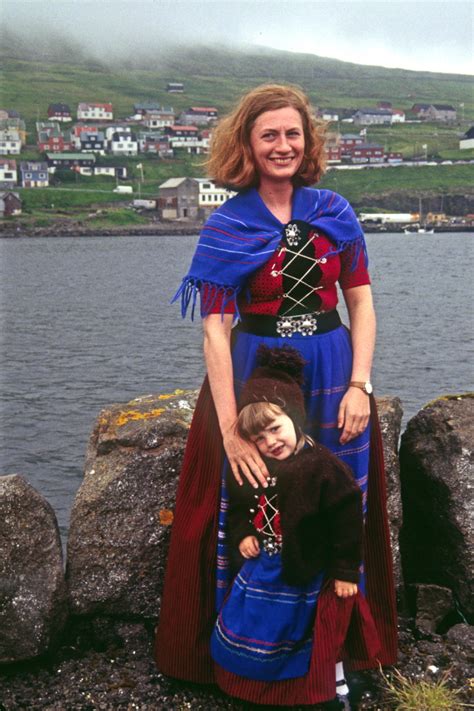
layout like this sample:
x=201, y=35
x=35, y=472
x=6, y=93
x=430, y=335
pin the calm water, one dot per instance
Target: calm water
x=86, y=322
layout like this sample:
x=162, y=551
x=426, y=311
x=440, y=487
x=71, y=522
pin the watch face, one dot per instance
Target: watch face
x=368, y=388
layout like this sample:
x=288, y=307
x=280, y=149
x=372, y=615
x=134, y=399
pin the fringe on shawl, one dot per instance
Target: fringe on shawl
x=208, y=293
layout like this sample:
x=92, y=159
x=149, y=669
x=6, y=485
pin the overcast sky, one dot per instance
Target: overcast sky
x=427, y=35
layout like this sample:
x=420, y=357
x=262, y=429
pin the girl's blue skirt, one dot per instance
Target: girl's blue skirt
x=243, y=612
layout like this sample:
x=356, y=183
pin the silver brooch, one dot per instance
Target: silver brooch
x=292, y=233
x=306, y=325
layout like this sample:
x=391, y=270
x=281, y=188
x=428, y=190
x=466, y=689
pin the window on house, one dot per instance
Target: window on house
x=9, y=175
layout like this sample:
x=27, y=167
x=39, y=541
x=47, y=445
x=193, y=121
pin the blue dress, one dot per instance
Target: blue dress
x=264, y=629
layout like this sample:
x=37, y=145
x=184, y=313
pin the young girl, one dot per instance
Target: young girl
x=301, y=533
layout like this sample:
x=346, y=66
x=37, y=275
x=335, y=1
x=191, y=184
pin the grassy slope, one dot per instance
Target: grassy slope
x=217, y=76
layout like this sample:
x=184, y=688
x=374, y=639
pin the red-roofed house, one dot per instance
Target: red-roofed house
x=198, y=115
x=94, y=112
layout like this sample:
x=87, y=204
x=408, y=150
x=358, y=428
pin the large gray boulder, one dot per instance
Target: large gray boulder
x=122, y=514
x=32, y=589
x=437, y=463
x=390, y=416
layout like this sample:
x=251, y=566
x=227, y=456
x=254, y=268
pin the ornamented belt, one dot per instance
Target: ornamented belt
x=287, y=326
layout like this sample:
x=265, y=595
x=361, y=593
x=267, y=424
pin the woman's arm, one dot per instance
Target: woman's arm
x=354, y=409
x=243, y=456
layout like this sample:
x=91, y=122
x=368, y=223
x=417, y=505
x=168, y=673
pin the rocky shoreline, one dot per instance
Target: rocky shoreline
x=83, y=639
x=71, y=229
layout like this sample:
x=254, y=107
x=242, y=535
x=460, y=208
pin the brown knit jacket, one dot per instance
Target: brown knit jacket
x=320, y=515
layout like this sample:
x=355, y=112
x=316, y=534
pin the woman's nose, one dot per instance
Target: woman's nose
x=282, y=143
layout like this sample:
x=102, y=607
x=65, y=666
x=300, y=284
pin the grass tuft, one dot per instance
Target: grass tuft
x=405, y=694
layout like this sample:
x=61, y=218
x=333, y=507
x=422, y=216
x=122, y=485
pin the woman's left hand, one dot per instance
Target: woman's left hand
x=354, y=412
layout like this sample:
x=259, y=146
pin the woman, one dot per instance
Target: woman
x=272, y=256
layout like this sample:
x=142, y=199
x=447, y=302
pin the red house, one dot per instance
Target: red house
x=59, y=112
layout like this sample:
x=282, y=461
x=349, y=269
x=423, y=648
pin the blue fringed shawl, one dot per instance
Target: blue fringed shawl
x=241, y=235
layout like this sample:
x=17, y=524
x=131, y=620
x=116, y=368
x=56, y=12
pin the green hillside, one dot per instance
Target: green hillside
x=212, y=75
x=33, y=77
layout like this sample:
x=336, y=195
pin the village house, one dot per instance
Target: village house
x=393, y=157
x=333, y=153
x=347, y=142
x=178, y=199
x=367, y=153
x=441, y=112
x=34, y=174
x=159, y=119
x=398, y=116
x=174, y=87
x=8, y=173
x=140, y=109
x=123, y=143
x=14, y=123
x=328, y=114
x=111, y=171
x=59, y=112
x=10, y=142
x=372, y=116
x=94, y=112
x=52, y=138
x=419, y=110
x=467, y=141
x=10, y=204
x=211, y=196
x=198, y=116
x=94, y=142
x=73, y=161
x=79, y=128
x=186, y=138
x=155, y=143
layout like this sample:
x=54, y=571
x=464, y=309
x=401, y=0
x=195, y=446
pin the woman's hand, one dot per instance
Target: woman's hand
x=244, y=458
x=344, y=589
x=353, y=415
x=249, y=547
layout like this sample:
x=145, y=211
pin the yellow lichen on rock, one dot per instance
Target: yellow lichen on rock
x=166, y=517
x=128, y=415
x=167, y=396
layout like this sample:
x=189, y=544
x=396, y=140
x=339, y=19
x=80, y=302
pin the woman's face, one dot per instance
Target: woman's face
x=277, y=143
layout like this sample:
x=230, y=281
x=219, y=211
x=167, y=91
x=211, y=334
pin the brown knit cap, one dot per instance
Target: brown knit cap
x=277, y=379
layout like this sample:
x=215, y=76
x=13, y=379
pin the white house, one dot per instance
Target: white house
x=159, y=118
x=467, y=141
x=10, y=142
x=94, y=112
x=211, y=196
x=8, y=173
x=124, y=143
x=398, y=116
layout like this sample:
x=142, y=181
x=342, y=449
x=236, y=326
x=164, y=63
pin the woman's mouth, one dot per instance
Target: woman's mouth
x=282, y=161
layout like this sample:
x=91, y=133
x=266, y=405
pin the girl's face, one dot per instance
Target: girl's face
x=277, y=143
x=278, y=440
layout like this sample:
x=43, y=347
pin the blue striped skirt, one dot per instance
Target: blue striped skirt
x=326, y=378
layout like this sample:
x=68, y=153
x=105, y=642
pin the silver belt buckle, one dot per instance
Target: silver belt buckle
x=271, y=546
x=306, y=325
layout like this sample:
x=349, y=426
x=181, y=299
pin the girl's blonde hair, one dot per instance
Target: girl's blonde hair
x=256, y=417
x=231, y=161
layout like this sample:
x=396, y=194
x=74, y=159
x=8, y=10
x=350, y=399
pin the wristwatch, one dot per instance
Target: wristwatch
x=366, y=387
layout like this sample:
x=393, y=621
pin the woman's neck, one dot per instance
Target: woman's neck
x=277, y=196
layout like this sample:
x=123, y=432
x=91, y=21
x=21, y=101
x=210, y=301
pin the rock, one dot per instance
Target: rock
x=32, y=589
x=122, y=514
x=437, y=538
x=463, y=636
x=432, y=604
x=390, y=416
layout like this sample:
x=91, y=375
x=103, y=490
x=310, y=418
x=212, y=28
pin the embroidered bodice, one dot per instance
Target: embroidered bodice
x=298, y=278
